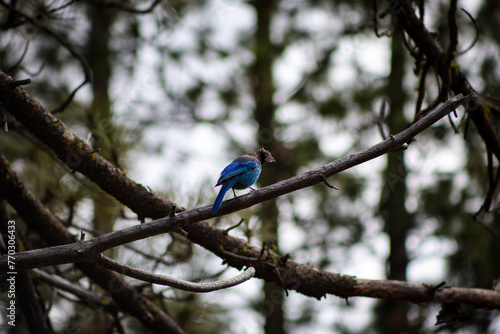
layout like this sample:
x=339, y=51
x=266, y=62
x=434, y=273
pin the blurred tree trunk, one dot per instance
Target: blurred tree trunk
x=100, y=123
x=100, y=113
x=261, y=80
x=392, y=316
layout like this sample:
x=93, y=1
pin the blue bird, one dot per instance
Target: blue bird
x=241, y=174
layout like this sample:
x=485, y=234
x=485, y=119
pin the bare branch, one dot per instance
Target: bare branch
x=65, y=43
x=20, y=59
x=235, y=226
x=91, y=299
x=476, y=38
x=492, y=186
x=67, y=4
x=137, y=250
x=325, y=181
x=292, y=275
x=174, y=282
x=86, y=249
x=435, y=54
x=421, y=91
x=420, y=293
x=41, y=220
x=33, y=73
x=311, y=281
x=78, y=155
x=88, y=297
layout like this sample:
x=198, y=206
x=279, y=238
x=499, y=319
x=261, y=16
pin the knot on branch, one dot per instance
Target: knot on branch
x=431, y=289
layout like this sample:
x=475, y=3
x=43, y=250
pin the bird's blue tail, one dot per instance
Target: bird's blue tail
x=220, y=197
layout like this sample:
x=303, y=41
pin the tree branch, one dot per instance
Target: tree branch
x=87, y=250
x=90, y=298
x=305, y=279
x=421, y=293
x=314, y=282
x=43, y=222
x=439, y=59
x=65, y=43
x=171, y=281
x=77, y=154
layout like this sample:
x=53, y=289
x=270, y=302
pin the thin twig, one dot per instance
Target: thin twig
x=450, y=120
x=375, y=17
x=67, y=4
x=452, y=51
x=325, y=181
x=381, y=119
x=489, y=229
x=431, y=106
x=476, y=38
x=35, y=73
x=234, y=226
x=412, y=50
x=492, y=187
x=276, y=269
x=20, y=59
x=421, y=92
x=240, y=257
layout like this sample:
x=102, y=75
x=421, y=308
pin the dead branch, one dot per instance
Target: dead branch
x=305, y=279
x=90, y=298
x=85, y=250
x=174, y=282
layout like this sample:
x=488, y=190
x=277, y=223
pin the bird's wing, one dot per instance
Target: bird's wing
x=236, y=168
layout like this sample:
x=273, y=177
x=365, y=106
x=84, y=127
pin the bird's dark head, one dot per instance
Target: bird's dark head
x=264, y=156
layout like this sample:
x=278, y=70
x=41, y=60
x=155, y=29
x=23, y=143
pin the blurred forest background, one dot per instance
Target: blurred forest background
x=181, y=88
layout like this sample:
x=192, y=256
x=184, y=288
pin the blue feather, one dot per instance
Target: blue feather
x=241, y=174
x=220, y=197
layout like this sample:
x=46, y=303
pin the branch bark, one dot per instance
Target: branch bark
x=87, y=250
x=303, y=278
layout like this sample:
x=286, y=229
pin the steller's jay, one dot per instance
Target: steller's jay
x=241, y=174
